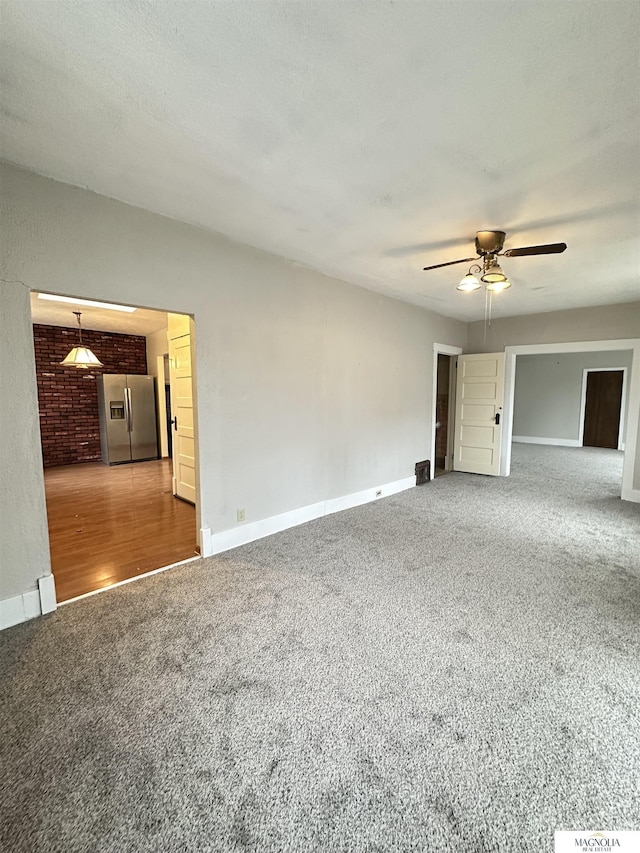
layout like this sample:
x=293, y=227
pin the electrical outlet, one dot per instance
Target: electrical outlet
x=378, y=493
x=240, y=515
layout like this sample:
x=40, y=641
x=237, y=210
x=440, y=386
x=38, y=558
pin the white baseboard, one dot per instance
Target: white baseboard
x=20, y=608
x=47, y=589
x=216, y=543
x=632, y=495
x=30, y=604
x=559, y=442
x=205, y=542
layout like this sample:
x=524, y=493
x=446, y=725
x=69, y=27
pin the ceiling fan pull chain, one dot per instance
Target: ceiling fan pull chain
x=486, y=300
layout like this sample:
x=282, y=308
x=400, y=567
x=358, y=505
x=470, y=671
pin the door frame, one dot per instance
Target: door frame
x=628, y=493
x=451, y=413
x=161, y=380
x=203, y=535
x=583, y=401
x=440, y=349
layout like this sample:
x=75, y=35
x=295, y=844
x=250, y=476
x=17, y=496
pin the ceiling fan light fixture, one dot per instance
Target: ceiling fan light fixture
x=469, y=283
x=493, y=274
x=498, y=286
x=489, y=245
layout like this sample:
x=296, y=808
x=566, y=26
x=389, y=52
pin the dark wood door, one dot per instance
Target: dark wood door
x=602, y=410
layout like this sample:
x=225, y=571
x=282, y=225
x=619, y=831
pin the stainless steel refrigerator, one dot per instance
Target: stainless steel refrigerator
x=127, y=409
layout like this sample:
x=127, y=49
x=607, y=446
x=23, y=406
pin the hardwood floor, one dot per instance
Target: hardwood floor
x=111, y=523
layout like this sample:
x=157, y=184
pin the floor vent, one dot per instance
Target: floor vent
x=423, y=470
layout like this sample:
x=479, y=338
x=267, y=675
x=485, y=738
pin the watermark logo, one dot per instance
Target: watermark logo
x=592, y=840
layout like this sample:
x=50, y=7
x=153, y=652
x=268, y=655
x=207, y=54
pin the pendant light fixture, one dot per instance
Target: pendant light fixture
x=81, y=356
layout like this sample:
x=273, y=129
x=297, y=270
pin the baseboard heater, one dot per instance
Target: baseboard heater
x=423, y=472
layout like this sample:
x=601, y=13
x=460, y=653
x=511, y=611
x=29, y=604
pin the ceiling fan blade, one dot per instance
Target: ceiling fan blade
x=451, y=263
x=549, y=249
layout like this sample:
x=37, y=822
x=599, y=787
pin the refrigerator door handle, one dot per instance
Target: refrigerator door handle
x=129, y=413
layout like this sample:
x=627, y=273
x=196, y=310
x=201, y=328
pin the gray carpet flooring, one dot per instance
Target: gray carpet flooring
x=454, y=668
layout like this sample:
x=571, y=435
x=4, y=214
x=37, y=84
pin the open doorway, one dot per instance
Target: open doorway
x=111, y=508
x=443, y=407
x=547, y=400
x=443, y=415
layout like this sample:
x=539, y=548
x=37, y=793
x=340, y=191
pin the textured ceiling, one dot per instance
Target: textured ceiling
x=365, y=140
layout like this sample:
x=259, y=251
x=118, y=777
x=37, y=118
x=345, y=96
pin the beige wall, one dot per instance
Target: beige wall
x=24, y=539
x=308, y=388
x=606, y=322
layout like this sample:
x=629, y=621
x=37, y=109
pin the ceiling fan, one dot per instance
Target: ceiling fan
x=489, y=246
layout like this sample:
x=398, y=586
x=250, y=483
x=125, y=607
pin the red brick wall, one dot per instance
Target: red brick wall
x=67, y=396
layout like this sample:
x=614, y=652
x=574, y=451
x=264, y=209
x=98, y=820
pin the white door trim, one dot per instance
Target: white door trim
x=583, y=401
x=161, y=405
x=628, y=493
x=438, y=349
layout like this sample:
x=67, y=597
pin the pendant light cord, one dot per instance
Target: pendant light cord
x=488, y=305
x=486, y=299
x=78, y=314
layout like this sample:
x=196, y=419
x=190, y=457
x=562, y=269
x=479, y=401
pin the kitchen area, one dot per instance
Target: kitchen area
x=114, y=510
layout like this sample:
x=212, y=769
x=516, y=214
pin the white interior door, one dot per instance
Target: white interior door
x=181, y=381
x=479, y=402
